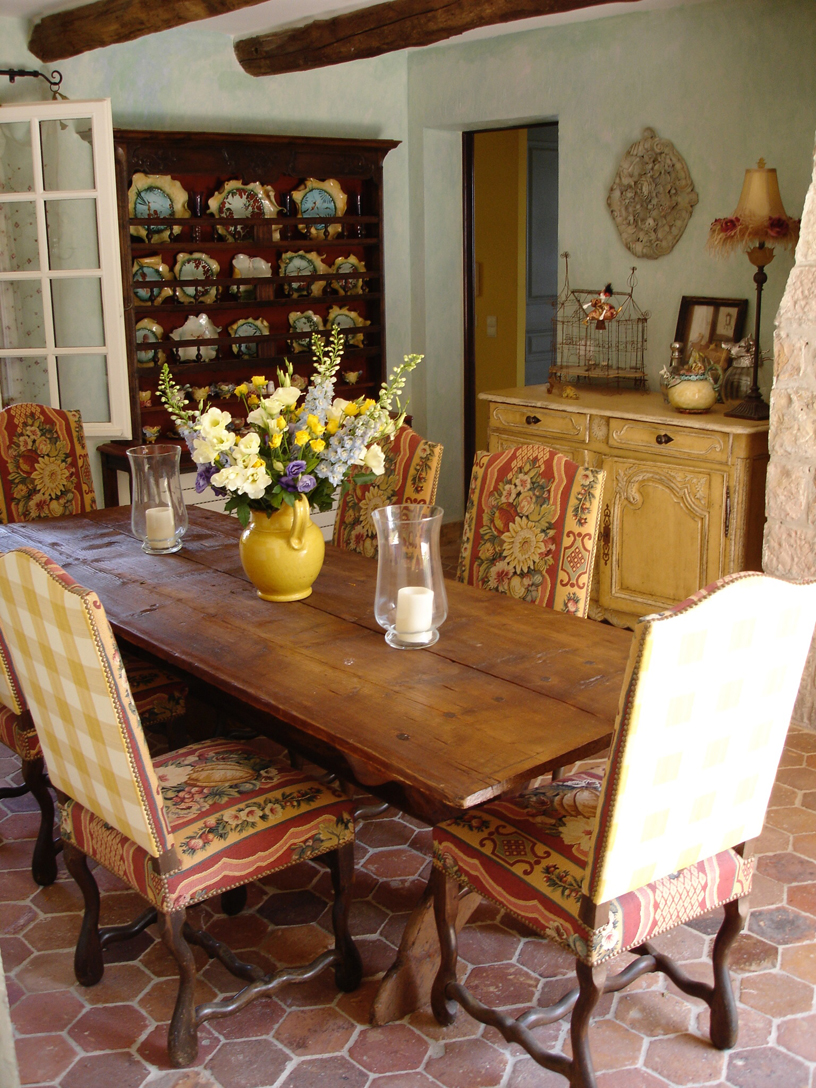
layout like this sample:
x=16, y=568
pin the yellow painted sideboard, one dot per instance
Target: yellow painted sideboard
x=684, y=499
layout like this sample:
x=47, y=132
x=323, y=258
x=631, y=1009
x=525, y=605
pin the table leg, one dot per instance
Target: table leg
x=406, y=985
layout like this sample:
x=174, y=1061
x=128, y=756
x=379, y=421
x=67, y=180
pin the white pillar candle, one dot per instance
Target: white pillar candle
x=414, y=613
x=160, y=526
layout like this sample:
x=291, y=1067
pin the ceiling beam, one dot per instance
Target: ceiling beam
x=384, y=28
x=111, y=22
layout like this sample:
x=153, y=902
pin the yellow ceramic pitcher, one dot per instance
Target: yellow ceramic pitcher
x=282, y=552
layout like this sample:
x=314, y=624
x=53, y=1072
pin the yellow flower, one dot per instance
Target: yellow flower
x=367, y=405
x=317, y=444
x=241, y=390
x=258, y=381
x=301, y=438
x=333, y=426
x=280, y=423
x=314, y=425
x=253, y=400
x=275, y=441
x=352, y=409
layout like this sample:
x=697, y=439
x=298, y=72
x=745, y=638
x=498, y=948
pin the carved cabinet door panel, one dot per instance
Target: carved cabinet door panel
x=662, y=533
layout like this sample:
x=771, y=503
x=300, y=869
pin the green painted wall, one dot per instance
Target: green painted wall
x=727, y=81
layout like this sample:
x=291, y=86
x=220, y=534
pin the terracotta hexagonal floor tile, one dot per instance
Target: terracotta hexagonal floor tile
x=500, y=985
x=15, y=951
x=767, y=1067
x=61, y=897
x=413, y=1079
x=529, y=1074
x=630, y=1078
x=395, y=864
x=750, y=953
x=754, y=1027
x=787, y=868
x=50, y=1012
x=314, y=1031
x=463, y=1027
x=489, y=943
x=46, y=971
x=322, y=1072
x=383, y=832
x=613, y=1045
x=802, y=897
x=653, y=1012
x=798, y=778
x=258, y=1019
x=392, y=1048
x=796, y=821
x=295, y=908
x=153, y=1048
x=109, y=1027
x=782, y=925
x=118, y=1068
x=44, y=1059
x=187, y=1078
x=685, y=1060
x=470, y=1063
x=805, y=845
x=546, y=959
x=800, y=740
x=681, y=943
x=159, y=1000
x=54, y=931
x=800, y=961
x=249, y=1063
x=16, y=917
x=776, y=994
x=295, y=945
x=798, y=1035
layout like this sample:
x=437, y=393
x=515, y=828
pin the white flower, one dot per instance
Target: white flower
x=337, y=408
x=375, y=460
x=213, y=437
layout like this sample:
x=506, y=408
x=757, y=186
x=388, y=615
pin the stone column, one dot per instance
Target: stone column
x=790, y=532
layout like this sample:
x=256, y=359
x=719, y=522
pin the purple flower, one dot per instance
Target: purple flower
x=204, y=474
x=306, y=483
x=288, y=483
x=294, y=468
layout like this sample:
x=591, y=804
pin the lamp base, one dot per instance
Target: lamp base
x=750, y=408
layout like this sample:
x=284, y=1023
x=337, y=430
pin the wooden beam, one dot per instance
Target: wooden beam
x=384, y=28
x=110, y=22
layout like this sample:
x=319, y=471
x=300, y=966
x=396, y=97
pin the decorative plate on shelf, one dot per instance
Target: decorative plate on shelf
x=197, y=328
x=156, y=196
x=345, y=265
x=244, y=266
x=235, y=200
x=248, y=326
x=151, y=268
x=345, y=318
x=317, y=199
x=303, y=264
x=147, y=332
x=304, y=321
x=196, y=266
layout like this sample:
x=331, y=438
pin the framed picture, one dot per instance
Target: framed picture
x=702, y=322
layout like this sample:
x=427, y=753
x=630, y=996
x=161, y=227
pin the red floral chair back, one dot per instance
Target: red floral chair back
x=411, y=475
x=44, y=466
x=530, y=527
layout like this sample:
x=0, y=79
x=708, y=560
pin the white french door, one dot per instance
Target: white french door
x=62, y=336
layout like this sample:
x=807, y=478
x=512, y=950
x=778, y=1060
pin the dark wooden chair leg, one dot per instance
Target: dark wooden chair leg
x=182, y=1035
x=44, y=860
x=13, y=791
x=234, y=901
x=446, y=907
x=724, y=1017
x=88, y=965
x=349, y=970
x=590, y=987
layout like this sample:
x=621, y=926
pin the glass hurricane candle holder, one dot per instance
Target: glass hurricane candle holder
x=158, y=515
x=411, y=603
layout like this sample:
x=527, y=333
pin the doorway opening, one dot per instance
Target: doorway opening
x=511, y=264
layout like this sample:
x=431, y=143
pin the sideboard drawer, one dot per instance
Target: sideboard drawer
x=538, y=423
x=669, y=439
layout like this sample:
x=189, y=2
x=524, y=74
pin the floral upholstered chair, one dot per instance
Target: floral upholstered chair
x=530, y=527
x=44, y=466
x=411, y=475
x=45, y=473
x=192, y=824
x=601, y=864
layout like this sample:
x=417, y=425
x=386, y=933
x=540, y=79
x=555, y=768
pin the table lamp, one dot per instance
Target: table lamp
x=758, y=224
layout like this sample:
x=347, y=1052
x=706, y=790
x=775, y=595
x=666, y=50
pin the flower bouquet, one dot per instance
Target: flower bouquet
x=295, y=443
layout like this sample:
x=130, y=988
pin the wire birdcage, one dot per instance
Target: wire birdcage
x=599, y=337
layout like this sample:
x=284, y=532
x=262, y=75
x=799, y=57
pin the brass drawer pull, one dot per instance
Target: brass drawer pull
x=663, y=439
x=532, y=420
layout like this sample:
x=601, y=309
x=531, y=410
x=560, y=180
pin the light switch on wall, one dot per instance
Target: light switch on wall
x=490, y=326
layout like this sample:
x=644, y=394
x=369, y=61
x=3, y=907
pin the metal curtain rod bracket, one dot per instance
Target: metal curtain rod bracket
x=53, y=81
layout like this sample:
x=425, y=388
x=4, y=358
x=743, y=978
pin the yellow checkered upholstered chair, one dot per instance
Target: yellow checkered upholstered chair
x=530, y=527
x=194, y=823
x=45, y=473
x=600, y=864
x=411, y=474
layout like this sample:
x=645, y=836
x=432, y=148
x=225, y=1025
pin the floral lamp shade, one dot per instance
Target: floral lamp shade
x=44, y=466
x=530, y=527
x=759, y=217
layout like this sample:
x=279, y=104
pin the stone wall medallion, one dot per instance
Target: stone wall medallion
x=652, y=196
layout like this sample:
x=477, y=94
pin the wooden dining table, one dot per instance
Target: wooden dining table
x=509, y=691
